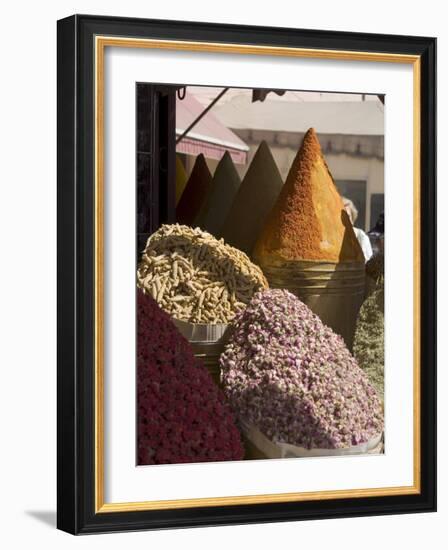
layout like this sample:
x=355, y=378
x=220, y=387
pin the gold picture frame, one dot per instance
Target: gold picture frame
x=82, y=34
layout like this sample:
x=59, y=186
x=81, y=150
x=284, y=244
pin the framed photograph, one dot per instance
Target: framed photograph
x=242, y=337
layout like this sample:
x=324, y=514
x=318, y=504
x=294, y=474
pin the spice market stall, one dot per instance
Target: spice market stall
x=256, y=284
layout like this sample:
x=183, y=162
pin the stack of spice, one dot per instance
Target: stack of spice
x=368, y=347
x=195, y=277
x=255, y=198
x=220, y=196
x=374, y=271
x=308, y=245
x=201, y=282
x=182, y=414
x=181, y=179
x=369, y=336
x=294, y=380
x=196, y=189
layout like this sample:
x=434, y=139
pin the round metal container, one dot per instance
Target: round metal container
x=207, y=342
x=334, y=292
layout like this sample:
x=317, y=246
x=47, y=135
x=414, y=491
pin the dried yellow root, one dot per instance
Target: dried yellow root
x=195, y=277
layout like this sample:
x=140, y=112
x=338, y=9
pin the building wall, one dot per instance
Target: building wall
x=368, y=169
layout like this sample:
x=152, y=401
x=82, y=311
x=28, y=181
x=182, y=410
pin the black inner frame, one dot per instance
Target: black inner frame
x=76, y=405
x=155, y=160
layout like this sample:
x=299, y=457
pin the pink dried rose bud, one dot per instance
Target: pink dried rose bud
x=182, y=414
x=290, y=375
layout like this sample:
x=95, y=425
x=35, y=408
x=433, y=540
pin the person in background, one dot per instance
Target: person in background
x=376, y=235
x=363, y=239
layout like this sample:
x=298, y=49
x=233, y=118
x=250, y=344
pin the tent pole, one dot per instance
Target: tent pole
x=204, y=112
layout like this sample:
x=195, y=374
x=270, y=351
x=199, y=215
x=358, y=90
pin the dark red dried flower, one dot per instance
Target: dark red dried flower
x=182, y=414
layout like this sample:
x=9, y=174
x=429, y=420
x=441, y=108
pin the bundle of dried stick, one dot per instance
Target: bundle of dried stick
x=195, y=277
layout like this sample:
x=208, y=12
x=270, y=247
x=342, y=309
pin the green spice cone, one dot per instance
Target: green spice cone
x=218, y=201
x=196, y=189
x=255, y=198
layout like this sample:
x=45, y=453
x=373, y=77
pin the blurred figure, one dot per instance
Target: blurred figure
x=362, y=237
x=376, y=235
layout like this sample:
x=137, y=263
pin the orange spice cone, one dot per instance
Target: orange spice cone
x=308, y=221
x=256, y=196
x=308, y=245
x=196, y=189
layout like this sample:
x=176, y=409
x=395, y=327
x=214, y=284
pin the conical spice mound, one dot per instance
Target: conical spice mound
x=308, y=221
x=196, y=189
x=256, y=196
x=181, y=179
x=218, y=202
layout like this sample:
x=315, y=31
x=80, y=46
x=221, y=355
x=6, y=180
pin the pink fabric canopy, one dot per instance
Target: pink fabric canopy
x=209, y=136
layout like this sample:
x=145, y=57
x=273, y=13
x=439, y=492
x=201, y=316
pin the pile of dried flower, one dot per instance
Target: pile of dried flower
x=292, y=377
x=368, y=347
x=182, y=414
